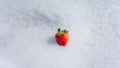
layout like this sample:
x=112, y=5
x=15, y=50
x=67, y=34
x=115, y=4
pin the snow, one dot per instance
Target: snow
x=27, y=29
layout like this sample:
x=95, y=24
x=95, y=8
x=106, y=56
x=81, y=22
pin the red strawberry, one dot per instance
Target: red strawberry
x=62, y=37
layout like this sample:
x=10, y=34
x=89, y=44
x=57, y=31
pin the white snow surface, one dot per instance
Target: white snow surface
x=28, y=27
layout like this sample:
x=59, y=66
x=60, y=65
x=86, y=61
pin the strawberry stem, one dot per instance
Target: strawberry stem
x=62, y=31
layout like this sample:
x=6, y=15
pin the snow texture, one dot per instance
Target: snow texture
x=27, y=29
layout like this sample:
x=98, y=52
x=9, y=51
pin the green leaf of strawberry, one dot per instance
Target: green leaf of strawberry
x=62, y=31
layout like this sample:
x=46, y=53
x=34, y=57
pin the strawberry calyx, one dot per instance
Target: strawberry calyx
x=62, y=31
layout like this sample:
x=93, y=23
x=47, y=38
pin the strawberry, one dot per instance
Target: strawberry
x=62, y=37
